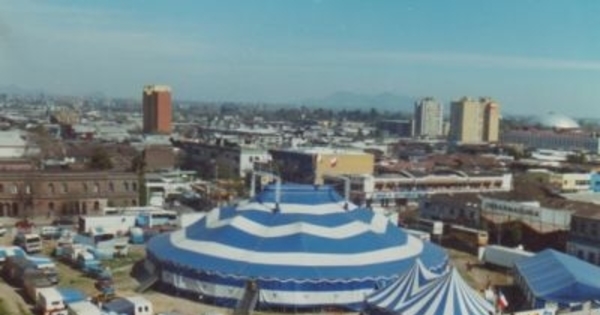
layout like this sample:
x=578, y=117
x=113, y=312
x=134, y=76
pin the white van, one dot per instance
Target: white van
x=49, y=232
x=83, y=308
x=31, y=243
x=50, y=302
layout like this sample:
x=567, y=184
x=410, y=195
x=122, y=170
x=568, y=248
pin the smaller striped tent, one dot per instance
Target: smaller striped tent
x=447, y=294
x=402, y=289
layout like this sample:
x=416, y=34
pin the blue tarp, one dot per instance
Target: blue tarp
x=71, y=295
x=557, y=277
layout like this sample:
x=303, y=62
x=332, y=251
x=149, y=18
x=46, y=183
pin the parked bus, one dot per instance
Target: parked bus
x=432, y=227
x=469, y=237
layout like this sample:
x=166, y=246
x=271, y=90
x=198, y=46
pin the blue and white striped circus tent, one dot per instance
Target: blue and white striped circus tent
x=447, y=294
x=390, y=297
x=310, y=250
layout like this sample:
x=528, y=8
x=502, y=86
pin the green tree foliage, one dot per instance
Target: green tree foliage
x=100, y=160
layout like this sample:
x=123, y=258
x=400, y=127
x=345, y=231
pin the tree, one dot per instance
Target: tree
x=100, y=160
x=516, y=233
x=138, y=165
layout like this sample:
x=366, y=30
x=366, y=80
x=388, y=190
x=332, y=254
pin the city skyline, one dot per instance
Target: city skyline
x=531, y=58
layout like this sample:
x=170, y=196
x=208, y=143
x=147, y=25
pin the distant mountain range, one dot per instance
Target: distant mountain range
x=351, y=100
x=13, y=89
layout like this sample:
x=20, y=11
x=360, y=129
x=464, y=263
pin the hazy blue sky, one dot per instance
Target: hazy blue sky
x=532, y=56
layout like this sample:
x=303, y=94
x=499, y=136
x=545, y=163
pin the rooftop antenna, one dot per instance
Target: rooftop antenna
x=346, y=180
x=277, y=194
x=277, y=186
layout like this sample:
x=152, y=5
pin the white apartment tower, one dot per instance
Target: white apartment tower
x=429, y=118
x=474, y=121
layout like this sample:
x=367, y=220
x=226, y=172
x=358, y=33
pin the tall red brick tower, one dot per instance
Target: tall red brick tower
x=156, y=106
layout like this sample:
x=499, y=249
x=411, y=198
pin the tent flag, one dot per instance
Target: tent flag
x=502, y=301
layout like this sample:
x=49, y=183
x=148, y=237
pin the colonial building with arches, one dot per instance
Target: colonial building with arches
x=36, y=193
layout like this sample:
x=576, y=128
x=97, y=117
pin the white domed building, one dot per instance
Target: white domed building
x=300, y=247
x=557, y=121
x=555, y=132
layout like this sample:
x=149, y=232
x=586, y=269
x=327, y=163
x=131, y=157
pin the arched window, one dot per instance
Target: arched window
x=51, y=188
x=15, y=209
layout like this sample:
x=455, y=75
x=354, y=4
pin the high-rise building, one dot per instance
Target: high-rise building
x=491, y=120
x=156, y=106
x=474, y=121
x=428, y=118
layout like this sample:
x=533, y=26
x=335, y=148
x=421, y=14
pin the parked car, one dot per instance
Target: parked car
x=64, y=222
x=49, y=232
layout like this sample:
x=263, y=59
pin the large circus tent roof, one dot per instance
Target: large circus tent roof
x=314, y=235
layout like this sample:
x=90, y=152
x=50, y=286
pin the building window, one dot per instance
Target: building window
x=15, y=209
x=134, y=186
x=592, y=257
x=96, y=206
x=14, y=189
x=126, y=186
x=84, y=207
x=51, y=188
x=84, y=186
x=1, y=188
x=133, y=202
x=111, y=187
x=96, y=188
x=65, y=188
x=51, y=206
x=28, y=189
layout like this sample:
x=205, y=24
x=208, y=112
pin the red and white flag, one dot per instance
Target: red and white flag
x=333, y=162
x=502, y=301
